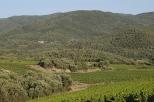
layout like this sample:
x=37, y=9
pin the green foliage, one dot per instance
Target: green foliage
x=139, y=91
x=66, y=80
x=118, y=73
x=80, y=59
x=77, y=40
x=129, y=36
x=9, y=89
x=103, y=64
x=18, y=87
x=134, y=39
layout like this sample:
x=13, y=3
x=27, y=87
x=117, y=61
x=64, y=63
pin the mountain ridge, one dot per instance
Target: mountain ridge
x=81, y=27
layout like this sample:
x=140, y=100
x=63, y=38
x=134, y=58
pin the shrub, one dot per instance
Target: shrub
x=73, y=68
x=12, y=92
x=66, y=80
x=103, y=64
x=16, y=88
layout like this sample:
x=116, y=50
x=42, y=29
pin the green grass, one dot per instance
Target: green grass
x=121, y=83
x=117, y=74
x=19, y=67
x=140, y=90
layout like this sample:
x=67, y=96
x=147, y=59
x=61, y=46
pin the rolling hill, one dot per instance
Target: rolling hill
x=130, y=36
x=50, y=54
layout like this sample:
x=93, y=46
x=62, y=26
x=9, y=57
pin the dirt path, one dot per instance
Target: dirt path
x=38, y=68
x=88, y=70
x=76, y=86
x=49, y=70
x=58, y=70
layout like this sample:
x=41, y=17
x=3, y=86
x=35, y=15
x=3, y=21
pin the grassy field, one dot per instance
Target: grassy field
x=19, y=67
x=117, y=74
x=124, y=83
x=138, y=91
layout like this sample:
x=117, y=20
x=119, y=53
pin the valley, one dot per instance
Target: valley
x=77, y=56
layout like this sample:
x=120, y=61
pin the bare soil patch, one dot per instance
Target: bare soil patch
x=79, y=86
x=88, y=70
x=58, y=70
x=49, y=70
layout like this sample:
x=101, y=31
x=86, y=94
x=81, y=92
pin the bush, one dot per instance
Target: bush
x=16, y=88
x=73, y=68
x=12, y=92
x=66, y=80
x=38, y=85
x=103, y=64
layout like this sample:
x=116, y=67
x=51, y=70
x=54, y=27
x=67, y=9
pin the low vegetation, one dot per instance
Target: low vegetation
x=19, y=83
x=128, y=83
x=117, y=73
x=118, y=47
x=138, y=91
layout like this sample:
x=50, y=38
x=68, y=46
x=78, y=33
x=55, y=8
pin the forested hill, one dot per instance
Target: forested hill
x=131, y=36
x=81, y=22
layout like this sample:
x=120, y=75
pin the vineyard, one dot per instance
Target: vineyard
x=116, y=74
x=139, y=91
x=123, y=83
x=120, y=83
x=77, y=53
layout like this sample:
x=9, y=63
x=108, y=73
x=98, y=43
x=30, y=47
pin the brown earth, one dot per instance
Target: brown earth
x=79, y=86
x=58, y=70
x=88, y=70
x=49, y=70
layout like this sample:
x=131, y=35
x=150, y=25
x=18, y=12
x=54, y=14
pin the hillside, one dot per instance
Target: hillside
x=130, y=36
x=78, y=56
